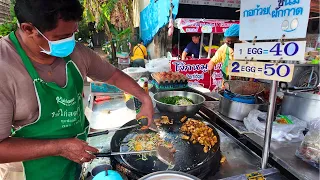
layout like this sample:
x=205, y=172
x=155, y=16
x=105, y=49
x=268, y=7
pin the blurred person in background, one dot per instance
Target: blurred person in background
x=193, y=48
x=139, y=54
x=226, y=51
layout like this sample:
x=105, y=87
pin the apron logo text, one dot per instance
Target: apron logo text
x=61, y=113
x=65, y=102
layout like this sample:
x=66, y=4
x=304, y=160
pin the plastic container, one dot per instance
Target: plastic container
x=135, y=72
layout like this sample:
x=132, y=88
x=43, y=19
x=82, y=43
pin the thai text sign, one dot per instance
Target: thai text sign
x=271, y=19
x=291, y=50
x=261, y=70
x=197, y=72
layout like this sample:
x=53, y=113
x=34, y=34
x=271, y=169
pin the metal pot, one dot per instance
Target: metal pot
x=236, y=110
x=197, y=99
x=168, y=175
x=304, y=106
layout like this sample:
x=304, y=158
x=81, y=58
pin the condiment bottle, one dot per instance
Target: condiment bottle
x=145, y=86
x=137, y=103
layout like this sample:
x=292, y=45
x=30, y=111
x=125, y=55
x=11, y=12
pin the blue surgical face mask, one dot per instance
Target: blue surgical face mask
x=61, y=48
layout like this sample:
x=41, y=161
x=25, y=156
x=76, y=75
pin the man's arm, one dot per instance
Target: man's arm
x=215, y=59
x=126, y=83
x=100, y=70
x=186, y=51
x=20, y=149
x=184, y=55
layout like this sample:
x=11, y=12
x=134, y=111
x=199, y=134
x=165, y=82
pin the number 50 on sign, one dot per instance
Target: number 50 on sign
x=261, y=70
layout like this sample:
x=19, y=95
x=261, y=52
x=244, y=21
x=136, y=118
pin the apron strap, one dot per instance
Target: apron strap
x=25, y=59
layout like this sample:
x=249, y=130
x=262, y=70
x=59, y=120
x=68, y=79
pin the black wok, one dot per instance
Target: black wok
x=188, y=157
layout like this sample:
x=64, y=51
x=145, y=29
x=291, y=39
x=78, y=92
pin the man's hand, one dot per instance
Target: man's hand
x=146, y=109
x=76, y=150
x=127, y=84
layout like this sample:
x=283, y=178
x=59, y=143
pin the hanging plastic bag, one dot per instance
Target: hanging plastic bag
x=158, y=65
x=309, y=150
x=291, y=131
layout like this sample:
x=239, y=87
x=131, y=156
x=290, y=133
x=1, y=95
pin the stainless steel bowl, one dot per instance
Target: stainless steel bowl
x=169, y=175
x=188, y=110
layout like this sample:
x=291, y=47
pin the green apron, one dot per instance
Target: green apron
x=225, y=65
x=61, y=115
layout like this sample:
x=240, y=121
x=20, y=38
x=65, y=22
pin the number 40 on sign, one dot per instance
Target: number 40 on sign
x=261, y=70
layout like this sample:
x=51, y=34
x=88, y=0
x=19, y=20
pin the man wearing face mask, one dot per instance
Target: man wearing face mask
x=225, y=52
x=42, y=124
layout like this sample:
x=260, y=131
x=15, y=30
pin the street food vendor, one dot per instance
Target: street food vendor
x=42, y=124
x=226, y=51
x=193, y=48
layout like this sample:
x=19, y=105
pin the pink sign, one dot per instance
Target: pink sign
x=198, y=74
x=204, y=25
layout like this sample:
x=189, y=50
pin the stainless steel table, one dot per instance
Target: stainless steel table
x=281, y=152
x=240, y=159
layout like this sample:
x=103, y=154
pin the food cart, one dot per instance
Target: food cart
x=240, y=148
x=116, y=111
x=196, y=69
x=202, y=26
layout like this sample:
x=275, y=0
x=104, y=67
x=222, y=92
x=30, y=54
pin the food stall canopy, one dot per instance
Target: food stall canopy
x=186, y=25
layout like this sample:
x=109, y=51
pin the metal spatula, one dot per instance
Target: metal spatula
x=163, y=153
x=111, y=130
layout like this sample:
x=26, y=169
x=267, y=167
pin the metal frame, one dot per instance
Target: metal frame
x=210, y=44
x=268, y=130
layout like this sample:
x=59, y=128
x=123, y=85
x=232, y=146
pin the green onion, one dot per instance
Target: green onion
x=173, y=100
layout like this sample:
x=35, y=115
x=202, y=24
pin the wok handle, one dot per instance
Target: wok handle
x=101, y=155
x=98, y=133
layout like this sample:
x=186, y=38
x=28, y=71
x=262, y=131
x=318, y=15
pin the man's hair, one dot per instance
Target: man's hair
x=44, y=14
x=195, y=35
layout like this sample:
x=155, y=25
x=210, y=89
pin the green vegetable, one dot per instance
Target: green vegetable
x=173, y=100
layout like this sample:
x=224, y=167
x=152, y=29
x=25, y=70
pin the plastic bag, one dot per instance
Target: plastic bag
x=158, y=65
x=280, y=132
x=309, y=150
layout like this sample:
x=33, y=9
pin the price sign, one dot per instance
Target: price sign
x=270, y=19
x=261, y=70
x=293, y=51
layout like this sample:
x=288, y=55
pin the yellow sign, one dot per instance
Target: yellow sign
x=255, y=176
x=261, y=70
